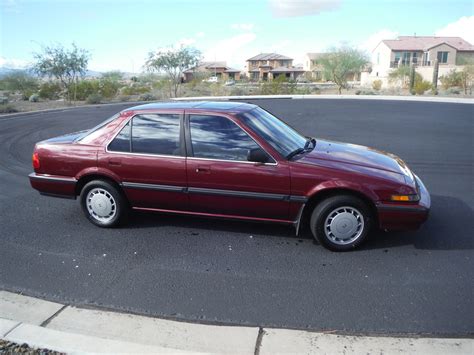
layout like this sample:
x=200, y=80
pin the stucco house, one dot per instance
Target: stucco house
x=420, y=51
x=268, y=66
x=207, y=69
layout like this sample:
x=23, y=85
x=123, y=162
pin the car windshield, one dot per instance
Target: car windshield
x=276, y=132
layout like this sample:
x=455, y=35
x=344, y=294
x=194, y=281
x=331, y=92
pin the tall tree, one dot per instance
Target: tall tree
x=66, y=65
x=173, y=62
x=341, y=62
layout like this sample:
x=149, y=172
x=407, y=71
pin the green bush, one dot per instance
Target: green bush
x=34, y=98
x=135, y=90
x=365, y=92
x=124, y=98
x=7, y=108
x=453, y=91
x=4, y=100
x=108, y=88
x=377, y=85
x=94, y=99
x=278, y=86
x=86, y=88
x=49, y=91
x=21, y=82
x=452, y=79
x=421, y=86
x=147, y=97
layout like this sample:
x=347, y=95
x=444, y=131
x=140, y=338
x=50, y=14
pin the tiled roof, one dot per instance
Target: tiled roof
x=422, y=43
x=270, y=56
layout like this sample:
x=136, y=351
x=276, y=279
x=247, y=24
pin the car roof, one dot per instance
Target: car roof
x=204, y=105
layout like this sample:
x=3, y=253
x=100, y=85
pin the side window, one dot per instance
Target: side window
x=215, y=137
x=156, y=134
x=121, y=142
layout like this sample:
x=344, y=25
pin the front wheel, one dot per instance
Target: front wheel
x=341, y=223
x=103, y=204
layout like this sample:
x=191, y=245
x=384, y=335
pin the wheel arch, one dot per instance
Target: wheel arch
x=323, y=194
x=96, y=175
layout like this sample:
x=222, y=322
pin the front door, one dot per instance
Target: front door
x=221, y=181
x=148, y=156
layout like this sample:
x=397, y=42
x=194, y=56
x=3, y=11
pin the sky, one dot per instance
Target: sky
x=120, y=33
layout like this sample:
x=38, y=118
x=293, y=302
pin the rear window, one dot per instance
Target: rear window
x=149, y=134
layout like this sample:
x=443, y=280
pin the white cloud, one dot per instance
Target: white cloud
x=373, y=40
x=13, y=63
x=234, y=50
x=292, y=8
x=464, y=28
x=242, y=26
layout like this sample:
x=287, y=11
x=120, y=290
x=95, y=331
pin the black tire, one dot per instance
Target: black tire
x=119, y=209
x=358, y=211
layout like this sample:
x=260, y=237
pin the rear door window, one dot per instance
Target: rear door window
x=156, y=134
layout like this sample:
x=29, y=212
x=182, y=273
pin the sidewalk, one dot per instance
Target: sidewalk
x=64, y=328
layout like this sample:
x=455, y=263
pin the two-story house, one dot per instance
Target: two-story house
x=420, y=51
x=268, y=66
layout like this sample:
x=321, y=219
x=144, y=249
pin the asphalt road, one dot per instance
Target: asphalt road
x=254, y=274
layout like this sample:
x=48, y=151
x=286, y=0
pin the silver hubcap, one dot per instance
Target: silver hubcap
x=101, y=205
x=344, y=225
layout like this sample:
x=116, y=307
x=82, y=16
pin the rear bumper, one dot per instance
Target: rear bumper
x=54, y=185
x=396, y=216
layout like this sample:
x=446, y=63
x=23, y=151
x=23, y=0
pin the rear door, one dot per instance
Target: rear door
x=222, y=181
x=148, y=155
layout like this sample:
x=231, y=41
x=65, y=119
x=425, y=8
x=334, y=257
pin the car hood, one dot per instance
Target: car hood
x=354, y=154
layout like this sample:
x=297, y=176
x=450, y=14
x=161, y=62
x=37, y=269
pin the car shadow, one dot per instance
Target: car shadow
x=449, y=227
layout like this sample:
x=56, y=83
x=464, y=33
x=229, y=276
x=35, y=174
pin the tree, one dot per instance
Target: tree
x=400, y=74
x=66, y=65
x=173, y=63
x=341, y=62
x=20, y=81
x=114, y=75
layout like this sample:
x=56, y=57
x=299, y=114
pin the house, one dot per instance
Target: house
x=268, y=66
x=420, y=51
x=207, y=69
x=313, y=66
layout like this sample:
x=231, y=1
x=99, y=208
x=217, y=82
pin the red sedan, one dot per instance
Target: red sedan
x=232, y=160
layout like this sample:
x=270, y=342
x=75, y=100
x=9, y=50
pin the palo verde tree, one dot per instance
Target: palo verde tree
x=66, y=65
x=339, y=63
x=173, y=62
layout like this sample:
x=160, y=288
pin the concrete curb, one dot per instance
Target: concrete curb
x=334, y=97
x=68, y=329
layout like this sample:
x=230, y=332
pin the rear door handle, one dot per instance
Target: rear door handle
x=115, y=162
x=203, y=170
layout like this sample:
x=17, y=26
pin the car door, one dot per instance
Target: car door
x=221, y=181
x=148, y=155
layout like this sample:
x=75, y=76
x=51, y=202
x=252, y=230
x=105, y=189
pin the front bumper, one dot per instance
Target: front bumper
x=398, y=216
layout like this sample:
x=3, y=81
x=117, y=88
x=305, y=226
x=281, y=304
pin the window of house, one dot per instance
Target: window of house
x=215, y=137
x=442, y=57
x=156, y=134
x=121, y=142
x=378, y=58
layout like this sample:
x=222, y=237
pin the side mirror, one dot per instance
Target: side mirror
x=258, y=155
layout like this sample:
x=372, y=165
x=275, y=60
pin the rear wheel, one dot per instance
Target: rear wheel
x=103, y=204
x=341, y=223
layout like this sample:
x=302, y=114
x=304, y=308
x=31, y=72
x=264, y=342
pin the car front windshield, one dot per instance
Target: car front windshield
x=277, y=133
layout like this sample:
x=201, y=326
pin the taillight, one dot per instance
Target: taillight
x=36, y=161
